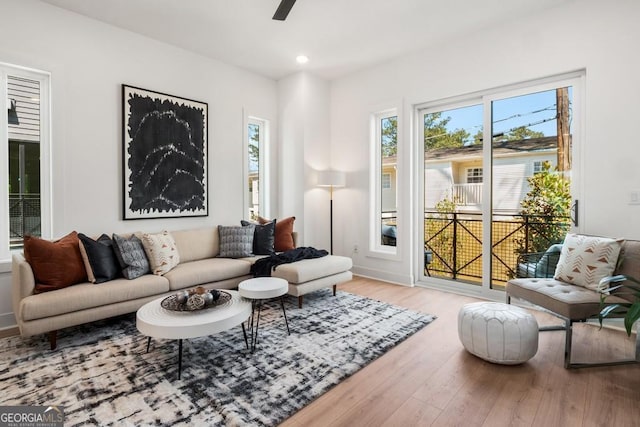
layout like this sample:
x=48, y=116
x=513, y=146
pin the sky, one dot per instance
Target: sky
x=536, y=110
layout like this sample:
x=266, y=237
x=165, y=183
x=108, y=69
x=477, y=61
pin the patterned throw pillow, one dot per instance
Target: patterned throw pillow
x=584, y=260
x=131, y=256
x=236, y=241
x=162, y=252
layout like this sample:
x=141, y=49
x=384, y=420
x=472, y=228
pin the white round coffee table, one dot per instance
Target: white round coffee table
x=258, y=290
x=156, y=322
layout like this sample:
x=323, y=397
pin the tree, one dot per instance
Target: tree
x=518, y=134
x=436, y=134
x=389, y=128
x=545, y=210
x=254, y=144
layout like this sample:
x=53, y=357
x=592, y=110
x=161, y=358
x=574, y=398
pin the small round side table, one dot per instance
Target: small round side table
x=259, y=290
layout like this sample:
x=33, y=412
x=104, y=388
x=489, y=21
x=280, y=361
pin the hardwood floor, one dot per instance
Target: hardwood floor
x=430, y=379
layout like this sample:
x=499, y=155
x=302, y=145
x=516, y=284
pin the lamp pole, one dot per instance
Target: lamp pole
x=331, y=219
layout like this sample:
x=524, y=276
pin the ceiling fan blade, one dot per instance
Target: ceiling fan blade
x=283, y=10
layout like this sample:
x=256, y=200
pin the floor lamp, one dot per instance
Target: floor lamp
x=331, y=179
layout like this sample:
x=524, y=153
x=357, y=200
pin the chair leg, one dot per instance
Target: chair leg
x=567, y=353
x=334, y=290
x=300, y=301
x=567, y=343
x=53, y=336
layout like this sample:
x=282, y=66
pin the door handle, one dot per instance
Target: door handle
x=574, y=213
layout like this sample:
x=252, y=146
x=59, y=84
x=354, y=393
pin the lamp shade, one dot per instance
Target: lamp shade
x=331, y=178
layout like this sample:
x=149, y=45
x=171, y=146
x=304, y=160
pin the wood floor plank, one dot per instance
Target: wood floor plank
x=413, y=412
x=429, y=379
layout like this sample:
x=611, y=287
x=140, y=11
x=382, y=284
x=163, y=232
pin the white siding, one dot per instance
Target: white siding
x=438, y=181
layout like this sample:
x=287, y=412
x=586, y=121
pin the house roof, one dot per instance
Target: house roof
x=500, y=149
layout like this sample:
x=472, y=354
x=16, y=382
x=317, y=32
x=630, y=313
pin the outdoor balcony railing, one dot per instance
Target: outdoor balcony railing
x=453, y=242
x=24, y=217
x=467, y=194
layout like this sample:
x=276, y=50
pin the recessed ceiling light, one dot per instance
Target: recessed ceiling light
x=302, y=59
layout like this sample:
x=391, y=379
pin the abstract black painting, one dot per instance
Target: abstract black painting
x=165, y=155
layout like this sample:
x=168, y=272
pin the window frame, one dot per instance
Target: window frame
x=536, y=167
x=376, y=248
x=263, y=166
x=46, y=220
x=576, y=79
x=469, y=174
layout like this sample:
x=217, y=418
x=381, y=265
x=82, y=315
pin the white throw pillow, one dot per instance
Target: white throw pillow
x=584, y=260
x=162, y=251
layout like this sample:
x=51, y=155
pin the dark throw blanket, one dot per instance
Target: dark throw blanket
x=263, y=266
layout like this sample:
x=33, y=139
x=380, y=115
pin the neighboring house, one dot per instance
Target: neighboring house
x=458, y=173
x=254, y=194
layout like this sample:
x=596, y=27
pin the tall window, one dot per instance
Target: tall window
x=385, y=220
x=24, y=199
x=256, y=165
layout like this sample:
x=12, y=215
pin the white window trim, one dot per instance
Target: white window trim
x=263, y=165
x=376, y=248
x=46, y=220
x=467, y=176
x=535, y=163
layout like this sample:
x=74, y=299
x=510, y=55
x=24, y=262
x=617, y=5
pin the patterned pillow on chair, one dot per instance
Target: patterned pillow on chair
x=584, y=260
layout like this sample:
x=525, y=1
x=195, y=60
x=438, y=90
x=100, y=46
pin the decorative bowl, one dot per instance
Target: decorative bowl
x=195, y=300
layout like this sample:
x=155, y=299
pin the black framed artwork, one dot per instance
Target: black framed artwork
x=164, y=155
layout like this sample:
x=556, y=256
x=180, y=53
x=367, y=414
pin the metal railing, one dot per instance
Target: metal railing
x=24, y=217
x=455, y=241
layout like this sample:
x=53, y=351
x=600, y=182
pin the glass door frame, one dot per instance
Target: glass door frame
x=574, y=79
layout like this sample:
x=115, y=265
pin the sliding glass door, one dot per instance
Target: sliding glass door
x=483, y=205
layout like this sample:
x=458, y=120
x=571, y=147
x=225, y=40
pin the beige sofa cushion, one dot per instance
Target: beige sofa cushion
x=196, y=244
x=206, y=271
x=312, y=269
x=87, y=295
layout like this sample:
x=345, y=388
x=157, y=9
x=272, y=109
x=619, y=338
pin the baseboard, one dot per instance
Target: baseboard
x=7, y=321
x=370, y=273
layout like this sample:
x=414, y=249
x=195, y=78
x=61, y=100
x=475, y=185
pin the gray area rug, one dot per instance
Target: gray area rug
x=102, y=374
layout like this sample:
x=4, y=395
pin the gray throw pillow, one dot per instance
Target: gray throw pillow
x=131, y=256
x=236, y=241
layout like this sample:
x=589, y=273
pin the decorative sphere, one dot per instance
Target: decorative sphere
x=215, y=294
x=181, y=297
x=195, y=302
x=208, y=298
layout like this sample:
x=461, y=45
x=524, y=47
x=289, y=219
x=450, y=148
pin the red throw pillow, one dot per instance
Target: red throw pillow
x=283, y=234
x=55, y=265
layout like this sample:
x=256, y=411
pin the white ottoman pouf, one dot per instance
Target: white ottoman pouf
x=498, y=333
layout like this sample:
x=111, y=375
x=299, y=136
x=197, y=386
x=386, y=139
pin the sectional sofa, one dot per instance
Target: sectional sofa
x=199, y=265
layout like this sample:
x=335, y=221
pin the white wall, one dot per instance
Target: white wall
x=88, y=62
x=303, y=114
x=601, y=37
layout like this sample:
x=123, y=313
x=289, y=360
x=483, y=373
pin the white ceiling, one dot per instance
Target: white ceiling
x=339, y=36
